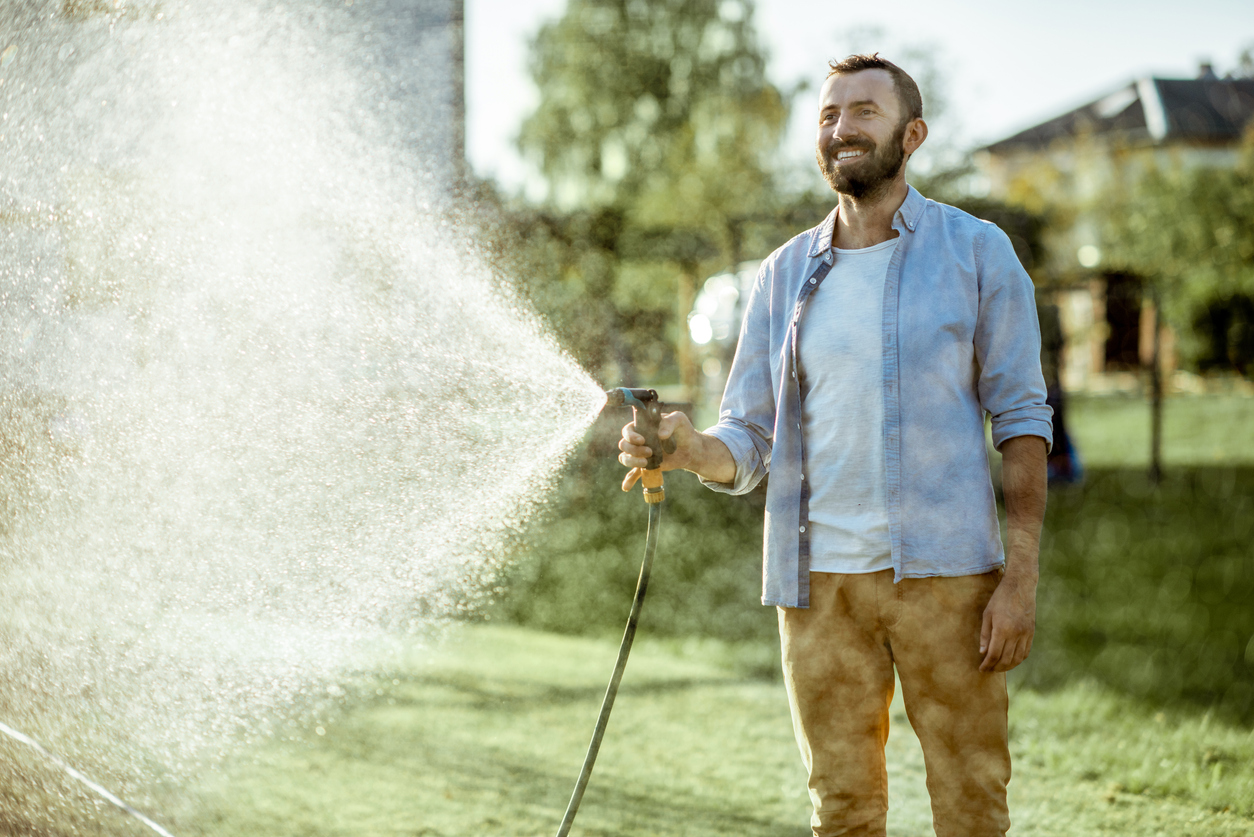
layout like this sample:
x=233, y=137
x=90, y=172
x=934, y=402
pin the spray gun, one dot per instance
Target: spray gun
x=647, y=411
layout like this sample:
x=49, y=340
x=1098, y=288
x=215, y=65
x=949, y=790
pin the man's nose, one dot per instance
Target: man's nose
x=844, y=129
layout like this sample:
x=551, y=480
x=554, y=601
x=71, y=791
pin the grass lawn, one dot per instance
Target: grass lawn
x=1124, y=721
x=1114, y=430
x=485, y=734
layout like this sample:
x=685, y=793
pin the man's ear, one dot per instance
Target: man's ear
x=916, y=133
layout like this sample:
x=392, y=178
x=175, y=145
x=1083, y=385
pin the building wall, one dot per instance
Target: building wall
x=91, y=129
x=1069, y=183
x=414, y=58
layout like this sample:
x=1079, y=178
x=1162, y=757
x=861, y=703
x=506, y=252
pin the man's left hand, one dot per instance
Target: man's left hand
x=1009, y=623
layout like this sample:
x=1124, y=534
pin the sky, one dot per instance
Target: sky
x=1005, y=65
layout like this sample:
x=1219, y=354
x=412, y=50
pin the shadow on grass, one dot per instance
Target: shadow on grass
x=1148, y=590
x=481, y=694
x=612, y=805
x=452, y=755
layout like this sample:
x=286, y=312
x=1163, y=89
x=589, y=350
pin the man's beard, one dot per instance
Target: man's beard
x=870, y=173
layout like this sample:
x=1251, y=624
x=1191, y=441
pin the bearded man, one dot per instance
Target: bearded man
x=872, y=347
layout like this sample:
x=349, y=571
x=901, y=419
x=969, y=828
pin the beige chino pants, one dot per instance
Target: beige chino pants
x=839, y=656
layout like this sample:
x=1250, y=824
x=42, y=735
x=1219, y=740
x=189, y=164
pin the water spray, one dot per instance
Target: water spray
x=251, y=366
x=647, y=411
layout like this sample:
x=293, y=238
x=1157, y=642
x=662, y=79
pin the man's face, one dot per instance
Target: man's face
x=860, y=147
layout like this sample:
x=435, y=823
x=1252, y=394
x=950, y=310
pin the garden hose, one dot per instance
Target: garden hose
x=96, y=787
x=607, y=703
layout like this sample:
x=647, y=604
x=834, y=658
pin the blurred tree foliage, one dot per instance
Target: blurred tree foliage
x=660, y=109
x=1190, y=234
x=656, y=133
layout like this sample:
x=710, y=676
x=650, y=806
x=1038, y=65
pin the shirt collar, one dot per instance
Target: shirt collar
x=908, y=213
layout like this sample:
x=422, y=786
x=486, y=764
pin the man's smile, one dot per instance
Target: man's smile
x=849, y=154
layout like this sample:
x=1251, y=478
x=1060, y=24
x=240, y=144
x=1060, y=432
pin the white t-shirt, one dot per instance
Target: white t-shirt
x=840, y=357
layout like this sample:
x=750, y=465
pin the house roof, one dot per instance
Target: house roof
x=1154, y=109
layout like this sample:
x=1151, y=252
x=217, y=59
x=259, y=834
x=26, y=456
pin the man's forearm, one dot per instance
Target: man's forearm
x=1024, y=485
x=1010, y=618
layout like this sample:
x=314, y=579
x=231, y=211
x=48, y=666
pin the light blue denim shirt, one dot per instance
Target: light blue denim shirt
x=961, y=338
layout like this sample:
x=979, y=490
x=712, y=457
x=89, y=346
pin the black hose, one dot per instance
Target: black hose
x=607, y=703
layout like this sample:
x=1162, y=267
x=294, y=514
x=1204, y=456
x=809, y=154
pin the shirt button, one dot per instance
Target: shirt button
x=813, y=281
x=803, y=528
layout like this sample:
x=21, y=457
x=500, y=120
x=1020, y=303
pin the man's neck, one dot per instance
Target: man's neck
x=867, y=221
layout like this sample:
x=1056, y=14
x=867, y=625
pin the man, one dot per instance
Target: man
x=871, y=348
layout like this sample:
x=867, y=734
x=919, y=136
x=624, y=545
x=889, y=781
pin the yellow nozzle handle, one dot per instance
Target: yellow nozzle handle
x=654, y=491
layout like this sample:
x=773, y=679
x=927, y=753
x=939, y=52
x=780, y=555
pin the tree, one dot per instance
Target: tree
x=656, y=129
x=1190, y=233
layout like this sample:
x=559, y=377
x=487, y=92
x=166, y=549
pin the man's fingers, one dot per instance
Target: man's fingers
x=986, y=631
x=669, y=422
x=1023, y=650
x=1006, y=660
x=633, y=448
x=1005, y=652
x=635, y=458
x=996, y=645
x=630, y=479
x=1012, y=655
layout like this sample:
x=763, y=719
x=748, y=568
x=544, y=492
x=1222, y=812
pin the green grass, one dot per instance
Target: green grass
x=485, y=735
x=1086, y=735
x=1144, y=589
x=1149, y=590
x=1114, y=430
x=1132, y=715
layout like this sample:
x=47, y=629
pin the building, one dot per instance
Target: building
x=418, y=63
x=410, y=54
x=1066, y=167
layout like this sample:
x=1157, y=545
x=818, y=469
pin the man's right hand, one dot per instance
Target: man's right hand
x=697, y=452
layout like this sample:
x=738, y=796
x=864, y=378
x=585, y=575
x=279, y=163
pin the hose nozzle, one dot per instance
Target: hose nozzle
x=638, y=398
x=654, y=489
x=647, y=410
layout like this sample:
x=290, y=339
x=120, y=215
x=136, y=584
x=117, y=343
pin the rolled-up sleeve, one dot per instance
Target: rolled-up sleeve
x=1008, y=344
x=747, y=415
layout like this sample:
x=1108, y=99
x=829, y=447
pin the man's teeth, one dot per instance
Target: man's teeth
x=845, y=155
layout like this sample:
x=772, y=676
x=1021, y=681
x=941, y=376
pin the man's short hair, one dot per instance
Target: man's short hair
x=907, y=91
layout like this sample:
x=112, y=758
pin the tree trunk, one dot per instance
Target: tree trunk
x=1156, y=394
x=683, y=345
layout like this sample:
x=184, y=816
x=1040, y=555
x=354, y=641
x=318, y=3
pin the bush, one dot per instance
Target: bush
x=578, y=566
